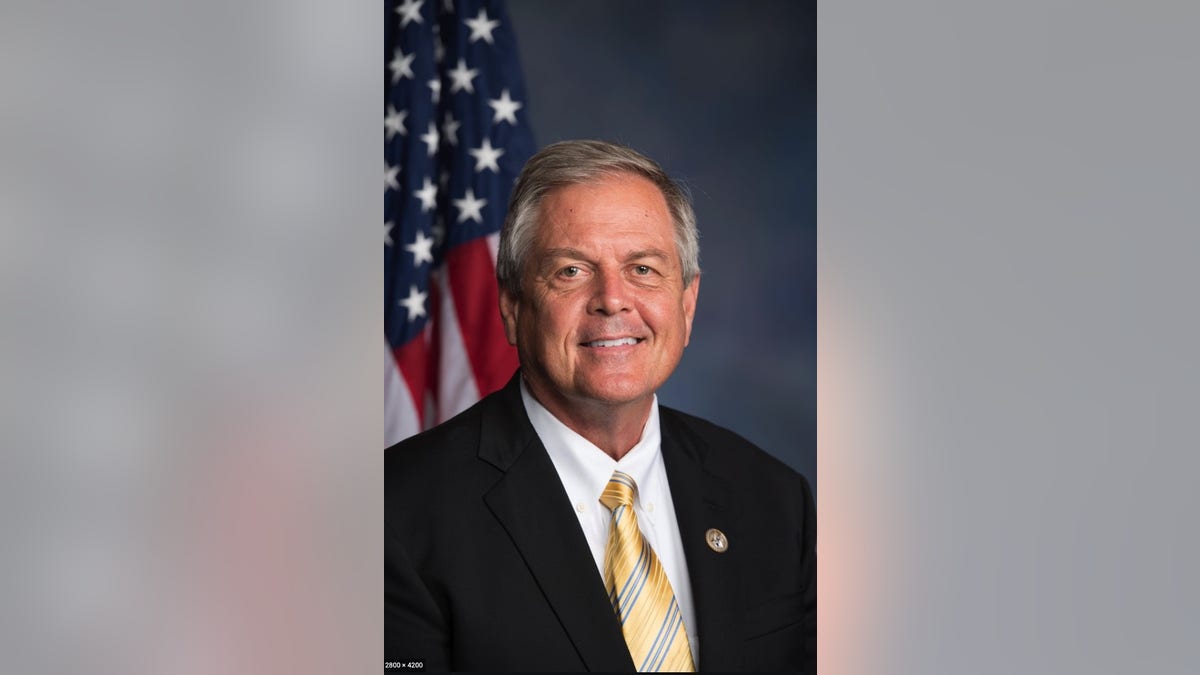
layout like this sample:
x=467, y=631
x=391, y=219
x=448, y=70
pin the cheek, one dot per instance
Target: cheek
x=549, y=328
x=558, y=317
x=673, y=326
x=666, y=316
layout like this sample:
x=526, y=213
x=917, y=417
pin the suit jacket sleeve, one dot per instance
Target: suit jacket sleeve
x=414, y=627
x=808, y=577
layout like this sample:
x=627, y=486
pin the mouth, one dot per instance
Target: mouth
x=613, y=342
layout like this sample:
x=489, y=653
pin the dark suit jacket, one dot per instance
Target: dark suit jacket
x=487, y=568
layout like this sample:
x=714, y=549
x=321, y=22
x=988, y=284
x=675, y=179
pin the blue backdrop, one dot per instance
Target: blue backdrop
x=723, y=94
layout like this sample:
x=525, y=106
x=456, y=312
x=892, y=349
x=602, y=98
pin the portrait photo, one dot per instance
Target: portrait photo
x=600, y=307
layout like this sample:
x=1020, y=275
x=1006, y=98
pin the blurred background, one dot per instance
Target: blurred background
x=723, y=95
x=190, y=402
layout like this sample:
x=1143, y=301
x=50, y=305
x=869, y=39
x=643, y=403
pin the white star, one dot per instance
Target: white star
x=387, y=233
x=450, y=128
x=414, y=303
x=506, y=108
x=428, y=195
x=469, y=207
x=481, y=27
x=431, y=139
x=444, y=179
x=401, y=65
x=486, y=156
x=422, y=249
x=435, y=86
x=389, y=176
x=393, y=122
x=462, y=77
x=410, y=11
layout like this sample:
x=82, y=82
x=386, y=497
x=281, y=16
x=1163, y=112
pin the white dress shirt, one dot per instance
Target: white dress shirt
x=585, y=470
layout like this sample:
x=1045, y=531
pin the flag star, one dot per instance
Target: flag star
x=401, y=65
x=506, y=108
x=387, y=233
x=450, y=128
x=414, y=303
x=469, y=207
x=428, y=195
x=393, y=122
x=462, y=77
x=481, y=26
x=444, y=179
x=422, y=249
x=410, y=11
x=435, y=86
x=486, y=156
x=448, y=4
x=389, y=176
x=431, y=139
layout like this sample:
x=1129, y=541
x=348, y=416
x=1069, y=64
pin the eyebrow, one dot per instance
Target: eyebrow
x=563, y=253
x=580, y=255
x=648, y=253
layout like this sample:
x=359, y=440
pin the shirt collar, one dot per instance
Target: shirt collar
x=584, y=468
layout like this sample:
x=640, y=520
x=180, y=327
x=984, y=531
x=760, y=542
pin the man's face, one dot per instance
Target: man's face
x=603, y=316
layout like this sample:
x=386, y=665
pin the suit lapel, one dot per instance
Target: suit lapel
x=531, y=504
x=702, y=501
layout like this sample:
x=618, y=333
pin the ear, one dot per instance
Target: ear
x=509, y=308
x=690, y=295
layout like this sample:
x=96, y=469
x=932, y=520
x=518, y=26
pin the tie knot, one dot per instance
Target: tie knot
x=619, y=491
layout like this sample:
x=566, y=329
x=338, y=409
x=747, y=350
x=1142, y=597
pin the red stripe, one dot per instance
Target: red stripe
x=472, y=279
x=434, y=356
x=413, y=363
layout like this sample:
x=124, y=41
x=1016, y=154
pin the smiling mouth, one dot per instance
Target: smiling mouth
x=619, y=342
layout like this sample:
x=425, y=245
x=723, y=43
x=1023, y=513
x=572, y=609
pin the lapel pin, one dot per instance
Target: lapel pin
x=716, y=540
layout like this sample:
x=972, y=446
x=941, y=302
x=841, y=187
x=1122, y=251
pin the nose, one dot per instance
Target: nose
x=611, y=294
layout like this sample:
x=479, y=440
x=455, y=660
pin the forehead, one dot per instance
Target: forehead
x=617, y=207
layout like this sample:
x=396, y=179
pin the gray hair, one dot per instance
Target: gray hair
x=572, y=163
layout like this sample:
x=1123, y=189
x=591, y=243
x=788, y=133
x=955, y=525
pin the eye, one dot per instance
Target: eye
x=570, y=271
x=641, y=270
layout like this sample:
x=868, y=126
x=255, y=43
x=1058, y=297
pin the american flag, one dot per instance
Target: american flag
x=456, y=134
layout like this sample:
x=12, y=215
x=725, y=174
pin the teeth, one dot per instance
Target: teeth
x=612, y=343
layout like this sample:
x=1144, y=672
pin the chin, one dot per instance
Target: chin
x=616, y=392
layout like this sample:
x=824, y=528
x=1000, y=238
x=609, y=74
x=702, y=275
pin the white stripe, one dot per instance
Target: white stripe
x=399, y=413
x=457, y=386
x=493, y=244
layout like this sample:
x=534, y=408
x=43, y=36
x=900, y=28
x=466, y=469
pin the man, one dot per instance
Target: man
x=568, y=522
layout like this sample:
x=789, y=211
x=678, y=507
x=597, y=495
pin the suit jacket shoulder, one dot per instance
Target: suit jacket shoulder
x=758, y=479
x=448, y=449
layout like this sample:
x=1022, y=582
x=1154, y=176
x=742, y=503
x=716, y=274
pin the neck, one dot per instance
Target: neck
x=613, y=427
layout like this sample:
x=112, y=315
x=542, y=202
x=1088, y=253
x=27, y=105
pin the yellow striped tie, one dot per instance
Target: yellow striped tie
x=639, y=590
